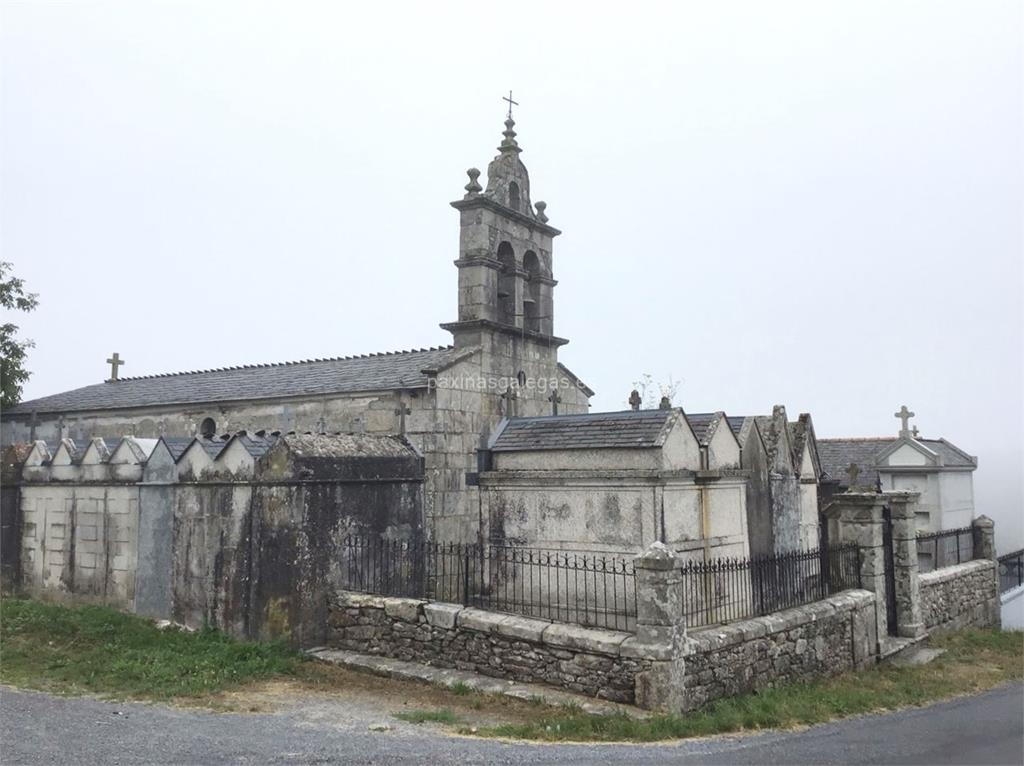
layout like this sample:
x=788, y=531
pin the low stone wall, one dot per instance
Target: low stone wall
x=599, y=663
x=796, y=645
x=961, y=596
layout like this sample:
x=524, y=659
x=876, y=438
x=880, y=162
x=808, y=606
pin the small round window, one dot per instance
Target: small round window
x=208, y=428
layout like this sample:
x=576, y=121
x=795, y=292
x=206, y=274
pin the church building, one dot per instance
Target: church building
x=503, y=362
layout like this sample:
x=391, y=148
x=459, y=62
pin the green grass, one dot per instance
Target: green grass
x=95, y=650
x=974, y=660
x=432, y=716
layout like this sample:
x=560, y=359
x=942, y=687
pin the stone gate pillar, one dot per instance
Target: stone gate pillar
x=902, y=509
x=859, y=521
x=984, y=530
x=984, y=533
x=660, y=630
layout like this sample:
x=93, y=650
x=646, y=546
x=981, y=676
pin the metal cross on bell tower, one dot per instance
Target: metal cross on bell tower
x=511, y=103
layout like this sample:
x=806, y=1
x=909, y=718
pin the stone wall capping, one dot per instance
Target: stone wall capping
x=404, y=609
x=359, y=600
x=953, y=572
x=441, y=615
x=523, y=628
x=593, y=640
x=752, y=629
x=480, y=620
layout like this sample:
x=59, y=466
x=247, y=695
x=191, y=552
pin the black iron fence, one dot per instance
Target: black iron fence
x=590, y=587
x=724, y=590
x=585, y=587
x=947, y=548
x=1011, y=570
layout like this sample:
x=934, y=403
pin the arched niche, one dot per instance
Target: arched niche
x=531, y=293
x=513, y=195
x=506, y=302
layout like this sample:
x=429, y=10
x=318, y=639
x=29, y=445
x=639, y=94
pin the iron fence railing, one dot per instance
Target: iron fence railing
x=724, y=590
x=936, y=550
x=1011, y=570
x=586, y=587
x=590, y=588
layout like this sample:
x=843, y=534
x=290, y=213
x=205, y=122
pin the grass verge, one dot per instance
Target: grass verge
x=974, y=661
x=429, y=716
x=95, y=650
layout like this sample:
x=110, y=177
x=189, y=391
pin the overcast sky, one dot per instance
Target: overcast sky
x=816, y=204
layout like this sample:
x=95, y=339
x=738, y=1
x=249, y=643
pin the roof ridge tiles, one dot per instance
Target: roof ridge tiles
x=287, y=363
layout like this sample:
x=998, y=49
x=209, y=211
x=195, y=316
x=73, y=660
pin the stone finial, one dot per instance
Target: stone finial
x=914, y=432
x=473, y=188
x=541, y=207
x=634, y=400
x=904, y=415
x=665, y=403
x=508, y=143
x=657, y=555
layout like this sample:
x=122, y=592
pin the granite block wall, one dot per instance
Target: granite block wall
x=792, y=646
x=595, y=662
x=961, y=596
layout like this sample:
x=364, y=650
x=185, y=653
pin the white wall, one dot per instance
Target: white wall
x=1013, y=609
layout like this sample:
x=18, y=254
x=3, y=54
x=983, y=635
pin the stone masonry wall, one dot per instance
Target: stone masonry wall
x=599, y=663
x=961, y=596
x=796, y=645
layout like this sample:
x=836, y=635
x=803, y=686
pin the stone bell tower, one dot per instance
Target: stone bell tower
x=505, y=266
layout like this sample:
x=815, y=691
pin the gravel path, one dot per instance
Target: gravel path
x=42, y=729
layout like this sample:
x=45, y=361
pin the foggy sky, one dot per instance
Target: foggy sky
x=815, y=204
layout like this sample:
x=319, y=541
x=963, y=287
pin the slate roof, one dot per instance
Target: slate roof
x=736, y=423
x=701, y=425
x=598, y=430
x=213, y=447
x=257, y=446
x=837, y=454
x=176, y=445
x=373, y=372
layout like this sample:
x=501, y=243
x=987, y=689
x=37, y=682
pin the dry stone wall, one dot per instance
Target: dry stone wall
x=793, y=646
x=961, y=596
x=595, y=662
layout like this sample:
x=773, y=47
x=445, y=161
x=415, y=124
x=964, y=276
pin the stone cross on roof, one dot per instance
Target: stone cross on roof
x=634, y=400
x=115, y=361
x=904, y=415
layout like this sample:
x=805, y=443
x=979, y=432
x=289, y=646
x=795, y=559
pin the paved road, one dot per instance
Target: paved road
x=41, y=729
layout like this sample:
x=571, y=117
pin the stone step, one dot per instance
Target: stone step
x=891, y=648
x=447, y=677
x=917, y=655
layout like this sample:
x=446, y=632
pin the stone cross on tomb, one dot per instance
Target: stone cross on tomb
x=852, y=472
x=904, y=415
x=634, y=400
x=511, y=103
x=115, y=361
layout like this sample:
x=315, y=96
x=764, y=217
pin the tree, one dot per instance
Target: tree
x=12, y=350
